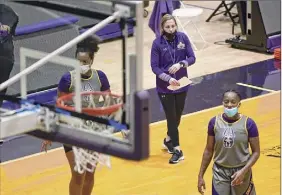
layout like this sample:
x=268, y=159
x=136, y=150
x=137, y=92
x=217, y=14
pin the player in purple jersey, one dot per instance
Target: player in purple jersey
x=171, y=54
x=91, y=80
x=229, y=137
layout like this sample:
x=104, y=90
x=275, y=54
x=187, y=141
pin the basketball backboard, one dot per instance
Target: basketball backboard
x=43, y=121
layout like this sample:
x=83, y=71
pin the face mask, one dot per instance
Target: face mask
x=169, y=36
x=230, y=112
x=84, y=69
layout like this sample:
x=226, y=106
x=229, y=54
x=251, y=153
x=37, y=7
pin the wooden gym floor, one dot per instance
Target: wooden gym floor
x=155, y=176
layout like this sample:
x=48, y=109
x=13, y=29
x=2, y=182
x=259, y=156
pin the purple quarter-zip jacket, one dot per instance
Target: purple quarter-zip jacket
x=164, y=54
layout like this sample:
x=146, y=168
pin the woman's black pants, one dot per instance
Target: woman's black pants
x=173, y=105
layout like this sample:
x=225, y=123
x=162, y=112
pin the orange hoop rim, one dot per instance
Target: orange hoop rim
x=90, y=111
x=277, y=53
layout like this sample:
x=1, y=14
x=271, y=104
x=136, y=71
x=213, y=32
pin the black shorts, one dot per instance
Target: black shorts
x=67, y=148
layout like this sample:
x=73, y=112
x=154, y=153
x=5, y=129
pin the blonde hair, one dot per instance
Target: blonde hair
x=165, y=18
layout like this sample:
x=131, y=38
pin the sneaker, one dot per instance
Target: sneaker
x=176, y=157
x=168, y=145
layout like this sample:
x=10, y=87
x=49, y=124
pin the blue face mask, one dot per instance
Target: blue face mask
x=230, y=112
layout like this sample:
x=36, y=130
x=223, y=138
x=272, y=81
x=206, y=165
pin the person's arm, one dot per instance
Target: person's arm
x=60, y=93
x=63, y=89
x=155, y=60
x=209, y=149
x=191, y=58
x=207, y=156
x=105, y=85
x=238, y=176
x=64, y=85
x=14, y=24
x=11, y=18
x=13, y=29
x=254, y=144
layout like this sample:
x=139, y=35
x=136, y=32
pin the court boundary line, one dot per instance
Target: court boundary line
x=151, y=125
x=256, y=87
x=220, y=106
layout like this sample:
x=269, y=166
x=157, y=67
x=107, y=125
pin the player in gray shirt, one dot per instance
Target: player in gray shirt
x=229, y=136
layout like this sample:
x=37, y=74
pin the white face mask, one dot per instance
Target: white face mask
x=84, y=69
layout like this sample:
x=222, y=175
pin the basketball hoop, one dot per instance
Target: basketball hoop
x=277, y=53
x=100, y=104
x=112, y=103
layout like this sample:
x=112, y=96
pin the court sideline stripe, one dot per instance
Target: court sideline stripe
x=213, y=108
x=256, y=87
x=152, y=124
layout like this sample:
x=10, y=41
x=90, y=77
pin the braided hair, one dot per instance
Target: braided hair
x=233, y=91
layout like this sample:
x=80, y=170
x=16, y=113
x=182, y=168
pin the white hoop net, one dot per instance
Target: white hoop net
x=87, y=160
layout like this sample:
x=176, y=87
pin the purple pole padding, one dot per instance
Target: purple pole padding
x=111, y=35
x=139, y=150
x=45, y=25
x=141, y=127
x=111, y=31
x=273, y=42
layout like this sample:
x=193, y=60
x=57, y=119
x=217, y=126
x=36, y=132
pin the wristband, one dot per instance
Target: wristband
x=182, y=64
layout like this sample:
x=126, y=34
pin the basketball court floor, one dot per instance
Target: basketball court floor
x=25, y=171
x=49, y=173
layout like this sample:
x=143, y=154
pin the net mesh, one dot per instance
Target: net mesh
x=105, y=105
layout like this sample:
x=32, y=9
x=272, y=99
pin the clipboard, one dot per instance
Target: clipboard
x=184, y=81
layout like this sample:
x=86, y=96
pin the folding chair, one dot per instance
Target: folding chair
x=226, y=12
x=188, y=13
x=146, y=4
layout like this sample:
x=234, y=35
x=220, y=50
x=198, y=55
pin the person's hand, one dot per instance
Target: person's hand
x=174, y=82
x=45, y=145
x=174, y=68
x=201, y=185
x=238, y=178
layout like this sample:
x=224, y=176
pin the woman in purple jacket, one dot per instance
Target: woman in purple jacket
x=171, y=54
